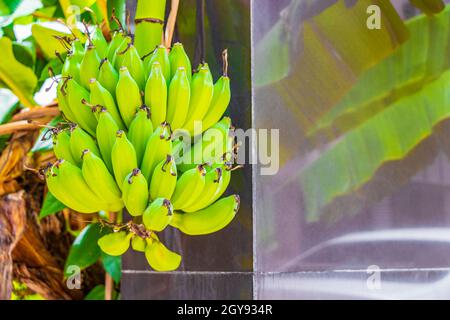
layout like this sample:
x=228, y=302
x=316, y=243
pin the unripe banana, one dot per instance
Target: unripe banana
x=215, y=142
x=77, y=50
x=178, y=58
x=202, y=88
x=71, y=68
x=164, y=179
x=226, y=177
x=118, y=55
x=89, y=66
x=156, y=150
x=219, y=103
x=141, y=128
x=135, y=66
x=67, y=184
x=61, y=145
x=117, y=39
x=99, y=42
x=178, y=99
x=116, y=243
x=101, y=96
x=213, y=183
x=128, y=96
x=158, y=214
x=160, y=258
x=135, y=192
x=209, y=220
x=106, y=136
x=101, y=182
x=83, y=114
x=161, y=56
x=108, y=76
x=123, y=157
x=138, y=244
x=63, y=104
x=156, y=94
x=189, y=186
x=79, y=141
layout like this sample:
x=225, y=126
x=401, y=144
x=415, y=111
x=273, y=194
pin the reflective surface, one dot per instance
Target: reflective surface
x=216, y=265
x=358, y=190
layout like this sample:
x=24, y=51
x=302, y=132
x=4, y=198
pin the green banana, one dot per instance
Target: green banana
x=123, y=157
x=158, y=214
x=108, y=76
x=178, y=58
x=135, y=66
x=219, y=103
x=135, y=192
x=189, y=186
x=202, y=88
x=161, y=56
x=156, y=94
x=164, y=179
x=63, y=104
x=83, y=114
x=106, y=136
x=128, y=96
x=116, y=243
x=213, y=183
x=101, y=182
x=225, y=178
x=99, y=42
x=61, y=145
x=101, y=96
x=178, y=99
x=117, y=39
x=71, y=68
x=158, y=146
x=118, y=54
x=159, y=257
x=141, y=128
x=89, y=66
x=138, y=244
x=65, y=181
x=77, y=50
x=211, y=219
x=79, y=141
x=215, y=142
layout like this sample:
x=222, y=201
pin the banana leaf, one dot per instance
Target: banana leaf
x=419, y=61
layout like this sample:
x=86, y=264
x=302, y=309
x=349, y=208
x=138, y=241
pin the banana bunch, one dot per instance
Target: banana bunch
x=118, y=147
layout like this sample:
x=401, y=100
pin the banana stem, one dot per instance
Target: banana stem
x=170, y=26
x=109, y=283
x=149, y=22
x=201, y=47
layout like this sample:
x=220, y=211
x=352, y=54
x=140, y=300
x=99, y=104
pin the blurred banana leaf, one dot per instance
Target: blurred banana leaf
x=13, y=9
x=419, y=61
x=388, y=136
x=19, y=78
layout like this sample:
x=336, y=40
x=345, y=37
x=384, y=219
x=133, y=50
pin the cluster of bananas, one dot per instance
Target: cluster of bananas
x=118, y=148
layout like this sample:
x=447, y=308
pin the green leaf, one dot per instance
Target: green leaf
x=44, y=34
x=97, y=293
x=50, y=206
x=112, y=265
x=19, y=78
x=12, y=9
x=85, y=250
x=8, y=103
x=44, y=141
